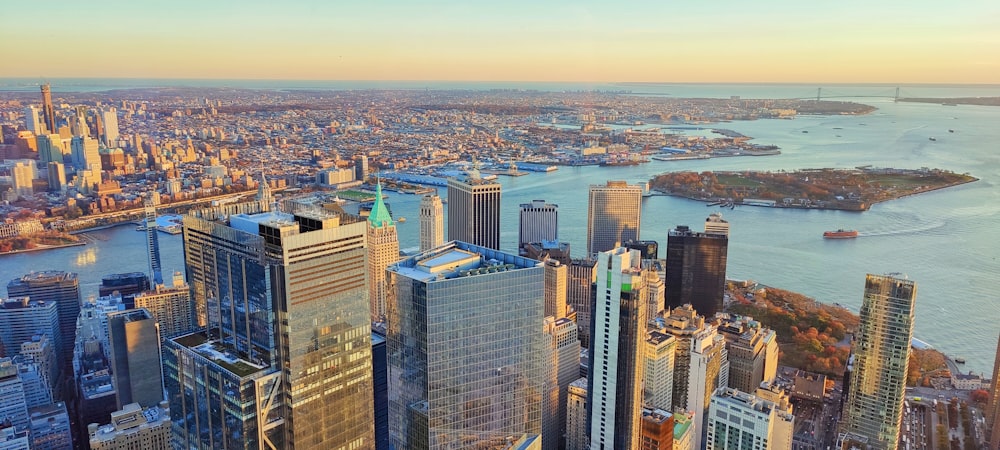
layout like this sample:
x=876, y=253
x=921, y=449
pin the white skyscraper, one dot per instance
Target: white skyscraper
x=33, y=119
x=109, y=120
x=431, y=222
x=613, y=215
x=658, y=381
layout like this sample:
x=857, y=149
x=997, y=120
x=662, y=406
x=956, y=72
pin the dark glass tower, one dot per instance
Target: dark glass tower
x=474, y=211
x=696, y=270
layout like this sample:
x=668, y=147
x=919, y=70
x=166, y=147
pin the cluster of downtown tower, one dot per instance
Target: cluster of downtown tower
x=302, y=326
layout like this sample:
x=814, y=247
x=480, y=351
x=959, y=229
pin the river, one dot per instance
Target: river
x=947, y=241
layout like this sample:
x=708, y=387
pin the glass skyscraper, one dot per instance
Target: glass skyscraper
x=696, y=270
x=874, y=406
x=613, y=215
x=285, y=359
x=465, y=348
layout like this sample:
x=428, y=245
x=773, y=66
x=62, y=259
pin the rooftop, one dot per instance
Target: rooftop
x=214, y=351
x=459, y=259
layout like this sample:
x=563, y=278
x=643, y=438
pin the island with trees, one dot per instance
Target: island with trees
x=843, y=189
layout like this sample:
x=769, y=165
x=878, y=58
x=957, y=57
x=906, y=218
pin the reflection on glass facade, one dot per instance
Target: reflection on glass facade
x=613, y=216
x=696, y=270
x=465, y=348
x=285, y=358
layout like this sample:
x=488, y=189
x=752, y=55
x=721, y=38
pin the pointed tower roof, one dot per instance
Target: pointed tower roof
x=379, y=216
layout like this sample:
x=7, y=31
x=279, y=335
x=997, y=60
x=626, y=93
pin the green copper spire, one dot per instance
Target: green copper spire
x=379, y=216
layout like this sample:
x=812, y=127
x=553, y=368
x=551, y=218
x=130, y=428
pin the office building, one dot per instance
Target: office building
x=555, y=289
x=13, y=404
x=696, y=270
x=618, y=330
x=48, y=111
x=96, y=396
x=658, y=379
x=85, y=153
x=134, y=340
x=613, y=215
x=383, y=249
x=127, y=285
x=647, y=249
x=881, y=353
x=41, y=353
x=992, y=411
x=576, y=415
x=564, y=368
x=23, y=319
x=541, y=251
x=581, y=276
x=708, y=369
x=380, y=377
x=752, y=349
x=474, y=211
x=57, y=176
x=657, y=430
x=466, y=348
x=539, y=222
x=714, y=224
x=78, y=123
x=431, y=222
x=171, y=307
x=744, y=421
x=298, y=369
x=36, y=390
x=22, y=176
x=14, y=439
x=133, y=428
x=61, y=288
x=109, y=124
x=50, y=427
x=652, y=270
x=49, y=148
x=683, y=324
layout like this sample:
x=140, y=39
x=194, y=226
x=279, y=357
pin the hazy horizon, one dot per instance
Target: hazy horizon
x=774, y=41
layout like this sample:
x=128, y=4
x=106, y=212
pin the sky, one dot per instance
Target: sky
x=844, y=41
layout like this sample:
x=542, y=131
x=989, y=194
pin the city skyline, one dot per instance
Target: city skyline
x=778, y=41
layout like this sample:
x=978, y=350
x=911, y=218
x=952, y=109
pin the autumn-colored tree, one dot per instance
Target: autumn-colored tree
x=980, y=396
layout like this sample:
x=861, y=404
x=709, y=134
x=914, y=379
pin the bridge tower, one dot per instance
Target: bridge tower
x=819, y=93
x=896, y=98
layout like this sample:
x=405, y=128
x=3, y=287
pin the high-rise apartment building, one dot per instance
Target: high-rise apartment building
x=539, y=223
x=714, y=224
x=33, y=120
x=683, y=324
x=564, y=368
x=49, y=148
x=361, y=168
x=696, y=270
x=152, y=242
x=659, y=351
x=61, y=288
x=474, y=211
x=284, y=299
x=431, y=222
x=466, y=348
x=613, y=215
x=581, y=276
x=132, y=428
x=85, y=153
x=41, y=353
x=874, y=405
x=171, y=307
x=22, y=176
x=134, y=339
x=752, y=349
x=576, y=415
x=48, y=111
x=743, y=421
x=708, y=369
x=618, y=331
x=383, y=249
x=992, y=412
x=56, y=176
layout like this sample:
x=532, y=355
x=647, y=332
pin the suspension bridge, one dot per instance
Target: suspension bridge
x=894, y=93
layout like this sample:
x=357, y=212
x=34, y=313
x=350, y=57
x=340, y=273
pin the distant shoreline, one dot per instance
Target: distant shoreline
x=42, y=248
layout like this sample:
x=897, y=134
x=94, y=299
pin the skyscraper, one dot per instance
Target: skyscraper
x=49, y=148
x=288, y=335
x=992, y=412
x=383, y=249
x=134, y=339
x=613, y=215
x=133, y=427
x=361, y=168
x=564, y=368
x=874, y=405
x=61, y=288
x=431, y=222
x=126, y=284
x=152, y=243
x=683, y=324
x=576, y=415
x=555, y=289
x=539, y=222
x=753, y=351
x=21, y=319
x=109, y=121
x=618, y=330
x=171, y=307
x=708, y=369
x=696, y=270
x=714, y=224
x=581, y=277
x=13, y=405
x=48, y=112
x=33, y=120
x=465, y=348
x=659, y=351
x=474, y=211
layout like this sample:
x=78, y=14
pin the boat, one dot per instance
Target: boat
x=951, y=131
x=932, y=138
x=401, y=220
x=960, y=360
x=840, y=234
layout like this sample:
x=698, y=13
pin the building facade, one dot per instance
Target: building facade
x=743, y=421
x=613, y=215
x=61, y=288
x=171, y=307
x=539, y=222
x=576, y=415
x=881, y=353
x=581, y=276
x=564, y=368
x=474, y=211
x=992, y=412
x=658, y=380
x=618, y=326
x=133, y=428
x=383, y=249
x=696, y=270
x=466, y=348
x=752, y=349
x=431, y=222
x=134, y=341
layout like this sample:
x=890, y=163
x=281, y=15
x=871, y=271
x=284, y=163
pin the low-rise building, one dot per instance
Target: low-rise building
x=133, y=428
